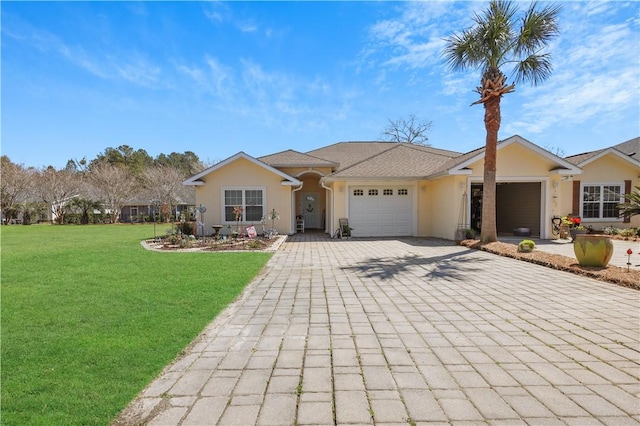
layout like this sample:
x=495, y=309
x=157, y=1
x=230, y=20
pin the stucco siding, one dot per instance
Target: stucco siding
x=243, y=173
x=445, y=206
x=516, y=160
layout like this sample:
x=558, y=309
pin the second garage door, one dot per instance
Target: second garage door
x=381, y=211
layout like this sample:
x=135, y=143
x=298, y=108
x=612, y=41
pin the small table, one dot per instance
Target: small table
x=216, y=230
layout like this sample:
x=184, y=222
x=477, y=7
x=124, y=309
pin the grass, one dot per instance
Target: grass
x=89, y=317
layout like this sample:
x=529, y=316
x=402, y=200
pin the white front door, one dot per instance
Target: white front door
x=309, y=209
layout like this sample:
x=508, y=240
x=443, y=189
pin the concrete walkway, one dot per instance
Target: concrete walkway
x=407, y=331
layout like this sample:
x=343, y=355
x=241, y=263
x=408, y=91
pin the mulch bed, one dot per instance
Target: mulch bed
x=213, y=245
x=611, y=274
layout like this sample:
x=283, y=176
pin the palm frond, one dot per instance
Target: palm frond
x=537, y=28
x=534, y=68
x=631, y=207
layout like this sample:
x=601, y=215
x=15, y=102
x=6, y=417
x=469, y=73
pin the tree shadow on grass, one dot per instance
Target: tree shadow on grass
x=450, y=266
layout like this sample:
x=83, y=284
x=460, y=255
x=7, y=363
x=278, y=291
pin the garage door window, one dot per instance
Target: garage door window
x=358, y=192
x=373, y=192
x=387, y=192
x=403, y=191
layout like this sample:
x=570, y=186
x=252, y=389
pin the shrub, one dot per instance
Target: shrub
x=187, y=228
x=256, y=244
x=629, y=232
x=610, y=230
x=526, y=246
x=470, y=234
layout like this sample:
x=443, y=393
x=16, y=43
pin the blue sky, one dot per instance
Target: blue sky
x=216, y=78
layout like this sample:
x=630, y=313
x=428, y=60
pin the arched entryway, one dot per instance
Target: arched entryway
x=311, y=201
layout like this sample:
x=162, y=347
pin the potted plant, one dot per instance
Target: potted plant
x=574, y=225
x=593, y=249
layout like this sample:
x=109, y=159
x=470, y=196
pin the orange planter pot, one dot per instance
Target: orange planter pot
x=593, y=250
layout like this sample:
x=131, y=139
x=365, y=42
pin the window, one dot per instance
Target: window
x=403, y=191
x=250, y=200
x=387, y=192
x=599, y=201
x=373, y=192
x=358, y=192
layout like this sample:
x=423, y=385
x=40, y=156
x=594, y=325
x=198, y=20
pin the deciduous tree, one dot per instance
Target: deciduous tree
x=114, y=185
x=163, y=183
x=408, y=130
x=56, y=188
x=16, y=185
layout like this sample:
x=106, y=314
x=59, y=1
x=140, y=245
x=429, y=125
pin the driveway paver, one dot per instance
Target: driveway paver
x=407, y=331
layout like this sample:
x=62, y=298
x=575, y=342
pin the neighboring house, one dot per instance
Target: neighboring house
x=399, y=189
x=139, y=209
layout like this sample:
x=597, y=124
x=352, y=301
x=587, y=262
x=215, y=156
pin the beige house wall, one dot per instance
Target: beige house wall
x=424, y=210
x=516, y=160
x=444, y=199
x=243, y=173
x=340, y=194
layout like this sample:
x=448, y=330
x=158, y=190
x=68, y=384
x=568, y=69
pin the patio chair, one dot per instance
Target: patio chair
x=344, y=230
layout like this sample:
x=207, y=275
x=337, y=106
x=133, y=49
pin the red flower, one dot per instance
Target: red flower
x=629, y=252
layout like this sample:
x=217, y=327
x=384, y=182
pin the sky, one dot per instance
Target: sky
x=217, y=78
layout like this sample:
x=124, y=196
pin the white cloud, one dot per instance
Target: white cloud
x=216, y=11
x=247, y=26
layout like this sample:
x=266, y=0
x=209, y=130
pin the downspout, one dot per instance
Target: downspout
x=293, y=207
x=330, y=216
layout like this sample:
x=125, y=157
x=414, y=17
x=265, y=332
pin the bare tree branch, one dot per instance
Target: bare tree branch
x=408, y=130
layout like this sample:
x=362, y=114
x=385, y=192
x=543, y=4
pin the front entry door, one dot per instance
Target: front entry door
x=309, y=209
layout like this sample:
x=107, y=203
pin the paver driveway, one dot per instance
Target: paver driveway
x=408, y=331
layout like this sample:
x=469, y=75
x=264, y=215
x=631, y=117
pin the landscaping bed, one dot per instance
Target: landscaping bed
x=188, y=244
x=612, y=274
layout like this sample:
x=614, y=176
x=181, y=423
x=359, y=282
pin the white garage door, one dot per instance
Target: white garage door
x=381, y=211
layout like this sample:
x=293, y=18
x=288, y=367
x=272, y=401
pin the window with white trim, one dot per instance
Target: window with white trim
x=249, y=200
x=600, y=201
x=403, y=191
x=358, y=192
x=387, y=192
x=373, y=192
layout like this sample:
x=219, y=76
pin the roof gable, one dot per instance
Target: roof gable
x=195, y=180
x=604, y=152
x=460, y=165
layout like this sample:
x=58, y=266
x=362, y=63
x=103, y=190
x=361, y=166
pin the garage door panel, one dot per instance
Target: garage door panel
x=389, y=213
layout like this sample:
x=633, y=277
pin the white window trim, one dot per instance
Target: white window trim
x=600, y=184
x=241, y=188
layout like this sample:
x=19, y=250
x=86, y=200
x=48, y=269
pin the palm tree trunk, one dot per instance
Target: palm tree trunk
x=492, y=125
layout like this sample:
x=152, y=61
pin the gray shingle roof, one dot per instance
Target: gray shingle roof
x=348, y=154
x=399, y=161
x=292, y=158
x=630, y=148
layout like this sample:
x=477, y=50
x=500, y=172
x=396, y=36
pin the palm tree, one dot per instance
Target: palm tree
x=632, y=205
x=496, y=40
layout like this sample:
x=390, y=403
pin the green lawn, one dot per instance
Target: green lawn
x=89, y=317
